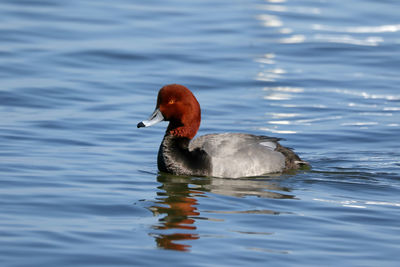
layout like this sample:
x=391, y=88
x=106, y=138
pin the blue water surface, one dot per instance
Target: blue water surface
x=79, y=184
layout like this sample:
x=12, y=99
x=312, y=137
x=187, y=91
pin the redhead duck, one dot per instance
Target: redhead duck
x=230, y=155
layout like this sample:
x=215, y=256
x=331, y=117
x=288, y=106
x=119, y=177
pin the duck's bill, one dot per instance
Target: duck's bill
x=155, y=118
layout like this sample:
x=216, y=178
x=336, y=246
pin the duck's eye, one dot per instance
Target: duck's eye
x=171, y=101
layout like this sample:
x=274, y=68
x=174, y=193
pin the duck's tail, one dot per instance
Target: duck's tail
x=292, y=160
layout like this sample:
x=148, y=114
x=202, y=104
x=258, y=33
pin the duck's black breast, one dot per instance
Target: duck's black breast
x=175, y=157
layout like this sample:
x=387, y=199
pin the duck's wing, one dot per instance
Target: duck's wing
x=226, y=144
x=239, y=155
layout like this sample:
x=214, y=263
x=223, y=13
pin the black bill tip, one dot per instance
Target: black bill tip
x=141, y=124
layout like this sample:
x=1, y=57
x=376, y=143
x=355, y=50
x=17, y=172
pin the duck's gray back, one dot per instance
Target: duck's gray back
x=239, y=155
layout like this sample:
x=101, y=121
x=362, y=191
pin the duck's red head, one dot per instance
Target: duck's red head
x=176, y=104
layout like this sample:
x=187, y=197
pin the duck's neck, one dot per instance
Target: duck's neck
x=175, y=157
x=185, y=129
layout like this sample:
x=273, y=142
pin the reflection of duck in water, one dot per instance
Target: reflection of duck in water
x=177, y=203
x=179, y=206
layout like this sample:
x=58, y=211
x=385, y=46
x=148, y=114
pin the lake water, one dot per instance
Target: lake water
x=79, y=182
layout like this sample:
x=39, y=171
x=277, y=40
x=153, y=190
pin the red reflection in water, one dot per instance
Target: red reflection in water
x=167, y=241
x=178, y=206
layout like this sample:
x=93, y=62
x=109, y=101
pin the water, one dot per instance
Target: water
x=79, y=182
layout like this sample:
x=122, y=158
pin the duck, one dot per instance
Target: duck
x=224, y=155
